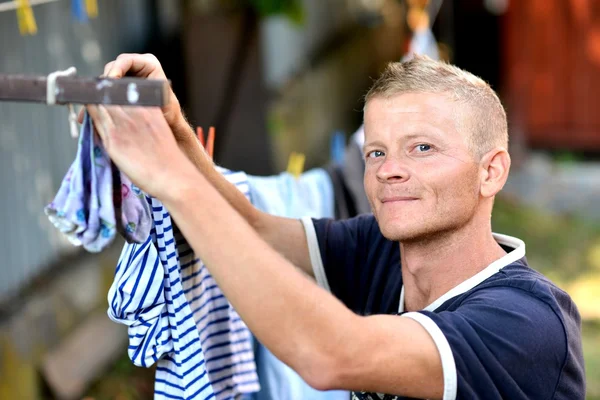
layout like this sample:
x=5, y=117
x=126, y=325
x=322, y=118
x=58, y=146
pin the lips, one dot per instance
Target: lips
x=392, y=199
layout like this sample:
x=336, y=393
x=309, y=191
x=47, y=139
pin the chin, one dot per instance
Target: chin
x=404, y=228
x=397, y=231
x=400, y=235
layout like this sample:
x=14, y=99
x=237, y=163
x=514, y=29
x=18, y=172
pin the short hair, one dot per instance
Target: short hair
x=486, y=122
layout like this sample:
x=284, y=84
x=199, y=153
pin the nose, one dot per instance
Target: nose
x=392, y=170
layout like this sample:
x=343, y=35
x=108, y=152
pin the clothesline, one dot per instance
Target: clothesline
x=12, y=5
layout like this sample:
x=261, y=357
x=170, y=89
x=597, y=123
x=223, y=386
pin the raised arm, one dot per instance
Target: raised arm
x=285, y=235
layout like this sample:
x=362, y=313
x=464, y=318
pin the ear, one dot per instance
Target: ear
x=495, y=166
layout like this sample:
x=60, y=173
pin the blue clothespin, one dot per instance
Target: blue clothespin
x=338, y=147
x=79, y=10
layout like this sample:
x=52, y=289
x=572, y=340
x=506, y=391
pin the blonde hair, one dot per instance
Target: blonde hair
x=484, y=117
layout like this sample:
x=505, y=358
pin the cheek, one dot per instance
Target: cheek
x=458, y=188
x=370, y=185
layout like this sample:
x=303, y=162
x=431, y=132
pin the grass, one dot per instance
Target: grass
x=591, y=349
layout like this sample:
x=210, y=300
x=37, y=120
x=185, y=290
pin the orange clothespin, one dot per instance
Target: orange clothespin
x=25, y=17
x=209, y=145
x=210, y=142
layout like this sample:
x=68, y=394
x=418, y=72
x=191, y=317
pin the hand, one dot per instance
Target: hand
x=148, y=66
x=139, y=141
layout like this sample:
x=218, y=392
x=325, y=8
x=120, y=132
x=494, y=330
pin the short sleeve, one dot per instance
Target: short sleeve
x=351, y=259
x=500, y=343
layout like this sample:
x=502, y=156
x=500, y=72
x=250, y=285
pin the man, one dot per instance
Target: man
x=464, y=317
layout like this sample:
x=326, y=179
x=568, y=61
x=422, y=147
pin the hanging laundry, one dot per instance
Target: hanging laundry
x=310, y=195
x=84, y=207
x=337, y=147
x=134, y=221
x=423, y=43
x=353, y=171
x=179, y=319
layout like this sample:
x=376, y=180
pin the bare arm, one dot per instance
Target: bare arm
x=285, y=235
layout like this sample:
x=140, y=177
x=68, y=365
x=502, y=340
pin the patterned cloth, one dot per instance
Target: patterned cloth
x=84, y=207
x=179, y=319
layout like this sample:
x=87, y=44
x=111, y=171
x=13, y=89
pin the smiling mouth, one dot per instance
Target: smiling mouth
x=398, y=199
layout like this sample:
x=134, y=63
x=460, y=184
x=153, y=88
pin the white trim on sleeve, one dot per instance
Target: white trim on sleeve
x=448, y=364
x=315, y=253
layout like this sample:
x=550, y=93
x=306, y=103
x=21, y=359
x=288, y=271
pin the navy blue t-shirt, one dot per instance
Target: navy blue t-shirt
x=512, y=334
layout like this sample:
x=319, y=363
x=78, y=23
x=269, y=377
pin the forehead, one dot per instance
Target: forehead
x=412, y=113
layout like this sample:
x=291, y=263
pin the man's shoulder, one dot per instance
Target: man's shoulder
x=362, y=228
x=518, y=282
x=522, y=298
x=520, y=309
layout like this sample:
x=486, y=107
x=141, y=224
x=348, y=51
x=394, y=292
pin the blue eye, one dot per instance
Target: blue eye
x=423, y=147
x=375, y=154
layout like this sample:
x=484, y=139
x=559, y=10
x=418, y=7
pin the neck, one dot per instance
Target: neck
x=431, y=268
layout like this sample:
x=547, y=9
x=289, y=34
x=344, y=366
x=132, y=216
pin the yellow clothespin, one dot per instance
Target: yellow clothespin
x=91, y=6
x=296, y=164
x=27, y=24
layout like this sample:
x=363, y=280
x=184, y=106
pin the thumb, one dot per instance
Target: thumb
x=80, y=115
x=102, y=122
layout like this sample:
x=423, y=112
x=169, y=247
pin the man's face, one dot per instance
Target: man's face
x=420, y=177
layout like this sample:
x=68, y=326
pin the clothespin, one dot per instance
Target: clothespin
x=209, y=145
x=25, y=17
x=338, y=147
x=78, y=10
x=210, y=142
x=51, y=92
x=84, y=9
x=296, y=164
x=91, y=7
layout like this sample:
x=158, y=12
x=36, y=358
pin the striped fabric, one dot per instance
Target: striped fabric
x=178, y=318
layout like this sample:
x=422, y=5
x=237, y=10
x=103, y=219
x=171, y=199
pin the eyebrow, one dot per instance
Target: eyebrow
x=372, y=144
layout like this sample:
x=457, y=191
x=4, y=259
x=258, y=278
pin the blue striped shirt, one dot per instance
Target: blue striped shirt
x=178, y=318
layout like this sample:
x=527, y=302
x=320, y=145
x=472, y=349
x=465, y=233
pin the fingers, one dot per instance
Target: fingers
x=80, y=115
x=103, y=122
x=139, y=65
x=107, y=69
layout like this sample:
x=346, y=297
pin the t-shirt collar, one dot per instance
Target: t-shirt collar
x=517, y=253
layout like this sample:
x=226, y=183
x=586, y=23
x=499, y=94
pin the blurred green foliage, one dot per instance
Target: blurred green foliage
x=292, y=9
